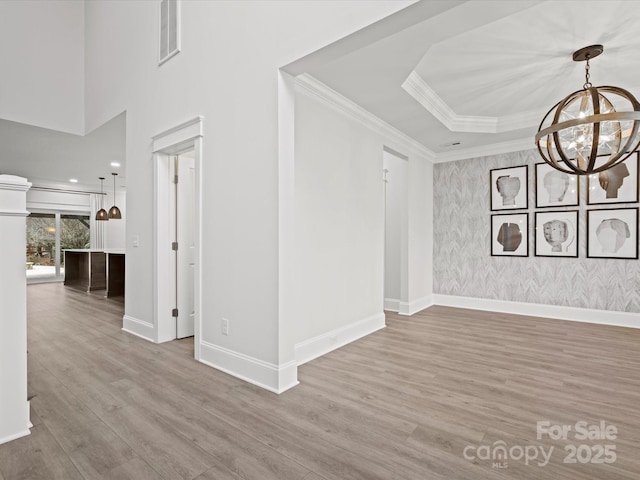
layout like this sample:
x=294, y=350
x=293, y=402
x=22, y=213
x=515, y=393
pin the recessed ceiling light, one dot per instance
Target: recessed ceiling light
x=73, y=180
x=115, y=164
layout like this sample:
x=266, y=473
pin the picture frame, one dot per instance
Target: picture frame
x=556, y=233
x=618, y=184
x=510, y=235
x=555, y=188
x=612, y=233
x=509, y=188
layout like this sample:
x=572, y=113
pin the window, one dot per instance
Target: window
x=48, y=235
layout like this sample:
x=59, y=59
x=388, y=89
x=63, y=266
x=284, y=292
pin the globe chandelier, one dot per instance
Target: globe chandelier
x=592, y=129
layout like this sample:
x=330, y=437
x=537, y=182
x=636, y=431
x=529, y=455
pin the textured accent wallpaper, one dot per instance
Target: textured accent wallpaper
x=463, y=264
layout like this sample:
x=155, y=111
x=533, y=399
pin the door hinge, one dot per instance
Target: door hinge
x=175, y=179
x=174, y=246
x=174, y=312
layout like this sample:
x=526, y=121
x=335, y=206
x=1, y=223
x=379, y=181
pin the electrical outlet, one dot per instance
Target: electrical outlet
x=225, y=326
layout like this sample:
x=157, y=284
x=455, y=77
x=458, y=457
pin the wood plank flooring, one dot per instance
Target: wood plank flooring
x=403, y=403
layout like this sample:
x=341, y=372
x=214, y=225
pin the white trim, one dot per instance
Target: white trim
x=409, y=308
x=15, y=436
x=175, y=136
x=13, y=213
x=316, y=89
x=272, y=377
x=185, y=136
x=422, y=92
x=13, y=182
x=486, y=150
x=312, y=87
x=139, y=328
x=392, y=304
x=322, y=344
x=391, y=151
x=286, y=216
x=586, y=315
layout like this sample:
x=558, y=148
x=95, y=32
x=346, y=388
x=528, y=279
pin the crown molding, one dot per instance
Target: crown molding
x=316, y=89
x=422, y=92
x=313, y=87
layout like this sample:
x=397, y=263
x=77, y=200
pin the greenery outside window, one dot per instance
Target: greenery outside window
x=48, y=235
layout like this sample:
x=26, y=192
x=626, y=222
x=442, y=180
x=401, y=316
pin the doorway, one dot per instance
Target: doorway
x=396, y=230
x=177, y=236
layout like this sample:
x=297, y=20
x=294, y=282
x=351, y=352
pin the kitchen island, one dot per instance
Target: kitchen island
x=90, y=269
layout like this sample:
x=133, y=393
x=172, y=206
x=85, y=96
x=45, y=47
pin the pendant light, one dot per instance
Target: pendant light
x=102, y=213
x=114, y=212
x=588, y=132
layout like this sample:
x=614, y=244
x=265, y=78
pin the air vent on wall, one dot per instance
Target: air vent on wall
x=169, y=29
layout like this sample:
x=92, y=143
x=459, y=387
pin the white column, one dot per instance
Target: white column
x=14, y=407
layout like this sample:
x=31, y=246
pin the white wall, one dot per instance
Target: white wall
x=396, y=213
x=42, y=52
x=339, y=221
x=338, y=292
x=227, y=71
x=115, y=238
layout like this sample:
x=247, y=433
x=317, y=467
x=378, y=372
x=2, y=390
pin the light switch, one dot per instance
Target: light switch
x=136, y=241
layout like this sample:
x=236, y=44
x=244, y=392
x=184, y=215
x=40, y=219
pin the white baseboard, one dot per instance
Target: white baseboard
x=409, y=308
x=322, y=344
x=587, y=315
x=392, y=304
x=272, y=377
x=139, y=328
x=15, y=436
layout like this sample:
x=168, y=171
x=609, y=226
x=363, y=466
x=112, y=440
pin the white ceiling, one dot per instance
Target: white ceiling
x=48, y=157
x=481, y=73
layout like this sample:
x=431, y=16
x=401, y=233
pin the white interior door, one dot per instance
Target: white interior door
x=185, y=236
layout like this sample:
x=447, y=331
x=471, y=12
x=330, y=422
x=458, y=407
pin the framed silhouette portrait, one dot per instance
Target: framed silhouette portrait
x=510, y=235
x=619, y=184
x=555, y=188
x=612, y=233
x=556, y=234
x=508, y=187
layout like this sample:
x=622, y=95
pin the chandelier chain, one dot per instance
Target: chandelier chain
x=587, y=83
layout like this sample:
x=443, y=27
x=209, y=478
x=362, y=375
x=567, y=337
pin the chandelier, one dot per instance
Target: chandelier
x=588, y=132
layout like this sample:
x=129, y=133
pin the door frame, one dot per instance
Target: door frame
x=181, y=138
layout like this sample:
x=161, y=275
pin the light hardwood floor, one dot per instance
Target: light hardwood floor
x=403, y=403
